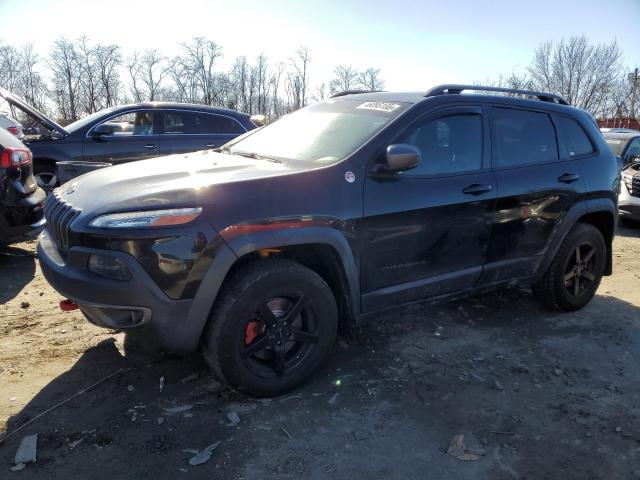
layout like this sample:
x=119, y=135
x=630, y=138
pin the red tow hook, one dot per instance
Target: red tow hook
x=67, y=305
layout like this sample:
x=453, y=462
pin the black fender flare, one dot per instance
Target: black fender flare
x=237, y=247
x=573, y=215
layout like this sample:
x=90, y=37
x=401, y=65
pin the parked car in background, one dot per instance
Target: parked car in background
x=629, y=200
x=127, y=133
x=259, y=251
x=21, y=200
x=625, y=145
x=11, y=125
x=617, y=130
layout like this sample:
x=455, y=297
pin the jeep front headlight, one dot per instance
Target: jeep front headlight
x=147, y=219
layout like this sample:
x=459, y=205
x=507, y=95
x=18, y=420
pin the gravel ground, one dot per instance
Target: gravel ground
x=534, y=394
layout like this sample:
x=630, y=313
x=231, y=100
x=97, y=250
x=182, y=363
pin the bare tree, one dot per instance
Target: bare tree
x=32, y=86
x=370, y=79
x=345, y=78
x=65, y=66
x=301, y=66
x=10, y=67
x=582, y=73
x=108, y=60
x=201, y=56
x=147, y=70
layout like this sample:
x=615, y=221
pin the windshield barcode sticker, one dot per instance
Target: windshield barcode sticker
x=382, y=106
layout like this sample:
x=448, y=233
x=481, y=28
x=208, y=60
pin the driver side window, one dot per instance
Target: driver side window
x=449, y=144
x=131, y=123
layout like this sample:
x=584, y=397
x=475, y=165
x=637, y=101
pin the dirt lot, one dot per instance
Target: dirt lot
x=536, y=394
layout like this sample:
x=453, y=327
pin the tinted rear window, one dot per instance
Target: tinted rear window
x=575, y=139
x=176, y=122
x=523, y=137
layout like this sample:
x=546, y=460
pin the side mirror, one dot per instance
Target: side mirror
x=102, y=130
x=634, y=158
x=402, y=157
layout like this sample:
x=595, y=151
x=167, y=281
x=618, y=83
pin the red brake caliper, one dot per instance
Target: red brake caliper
x=251, y=332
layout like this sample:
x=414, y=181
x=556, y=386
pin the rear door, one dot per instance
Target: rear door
x=187, y=131
x=537, y=184
x=134, y=138
x=425, y=231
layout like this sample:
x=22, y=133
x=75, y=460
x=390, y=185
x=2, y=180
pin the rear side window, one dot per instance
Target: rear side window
x=574, y=137
x=192, y=123
x=523, y=138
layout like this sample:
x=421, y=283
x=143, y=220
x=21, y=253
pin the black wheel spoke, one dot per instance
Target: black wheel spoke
x=569, y=276
x=578, y=255
x=295, y=310
x=588, y=275
x=304, y=337
x=588, y=256
x=256, y=346
x=267, y=315
x=279, y=360
x=576, y=285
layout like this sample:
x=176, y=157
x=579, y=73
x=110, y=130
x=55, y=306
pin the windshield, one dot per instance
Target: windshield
x=72, y=127
x=322, y=133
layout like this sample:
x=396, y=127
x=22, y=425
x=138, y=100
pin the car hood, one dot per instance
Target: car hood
x=166, y=182
x=28, y=109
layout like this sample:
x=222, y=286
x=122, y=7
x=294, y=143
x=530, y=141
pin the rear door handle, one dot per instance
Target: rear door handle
x=476, y=189
x=568, y=178
x=210, y=145
x=149, y=146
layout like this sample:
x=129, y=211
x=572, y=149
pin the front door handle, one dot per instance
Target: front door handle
x=210, y=145
x=568, y=178
x=476, y=189
x=149, y=146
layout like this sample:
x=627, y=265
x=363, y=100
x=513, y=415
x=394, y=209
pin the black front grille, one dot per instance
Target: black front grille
x=59, y=215
x=635, y=185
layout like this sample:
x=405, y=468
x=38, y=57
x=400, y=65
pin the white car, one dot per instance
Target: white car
x=11, y=125
x=629, y=199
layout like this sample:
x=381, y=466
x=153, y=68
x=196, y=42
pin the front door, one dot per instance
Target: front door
x=133, y=137
x=425, y=231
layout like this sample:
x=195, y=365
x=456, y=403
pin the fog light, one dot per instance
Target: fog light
x=109, y=267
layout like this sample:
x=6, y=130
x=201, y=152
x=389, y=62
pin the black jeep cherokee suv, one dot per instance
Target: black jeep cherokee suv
x=260, y=251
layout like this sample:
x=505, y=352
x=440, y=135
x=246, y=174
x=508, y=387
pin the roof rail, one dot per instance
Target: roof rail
x=456, y=89
x=353, y=92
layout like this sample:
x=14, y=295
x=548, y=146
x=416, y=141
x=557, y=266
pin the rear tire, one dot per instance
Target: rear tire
x=45, y=175
x=575, y=273
x=272, y=326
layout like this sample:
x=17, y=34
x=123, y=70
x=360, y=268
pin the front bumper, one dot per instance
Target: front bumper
x=628, y=205
x=136, y=305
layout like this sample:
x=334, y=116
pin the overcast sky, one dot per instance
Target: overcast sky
x=416, y=44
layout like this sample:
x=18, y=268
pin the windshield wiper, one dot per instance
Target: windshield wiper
x=253, y=155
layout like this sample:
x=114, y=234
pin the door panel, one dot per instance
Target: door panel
x=425, y=231
x=133, y=139
x=178, y=143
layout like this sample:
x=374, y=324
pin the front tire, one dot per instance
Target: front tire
x=575, y=273
x=273, y=325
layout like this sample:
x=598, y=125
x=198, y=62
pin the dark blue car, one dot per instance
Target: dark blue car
x=127, y=133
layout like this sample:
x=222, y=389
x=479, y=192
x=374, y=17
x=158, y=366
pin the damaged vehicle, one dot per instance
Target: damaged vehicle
x=123, y=134
x=261, y=251
x=21, y=200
